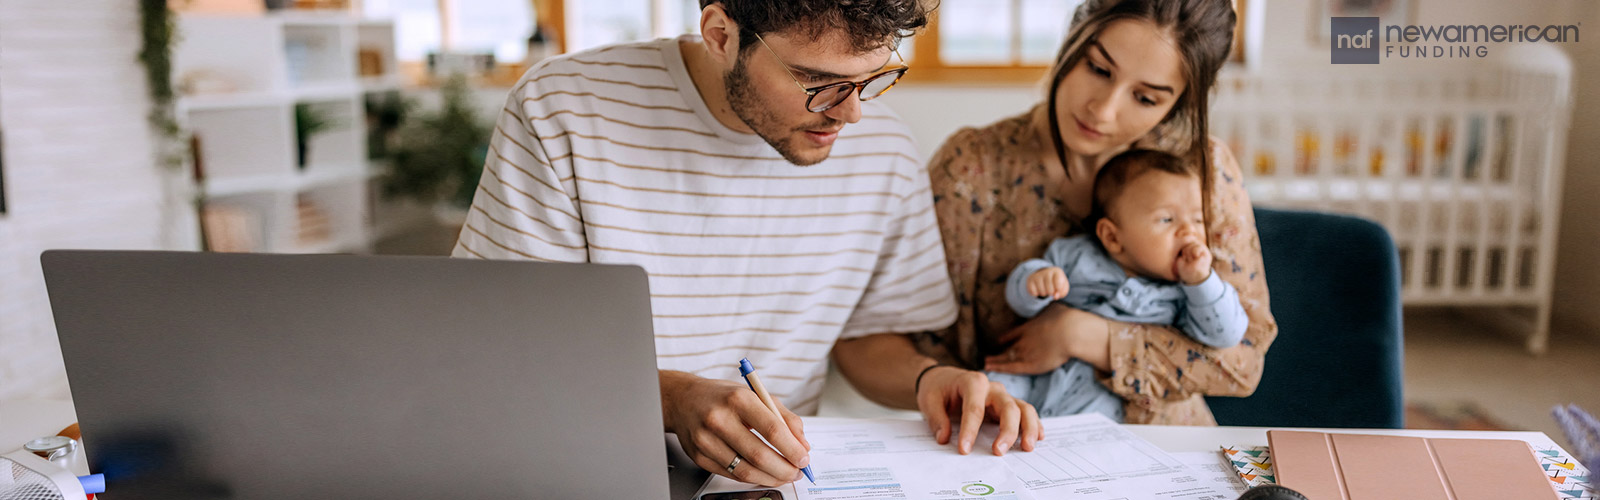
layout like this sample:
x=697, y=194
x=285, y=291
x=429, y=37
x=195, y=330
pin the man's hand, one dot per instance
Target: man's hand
x=950, y=396
x=1048, y=282
x=1194, y=264
x=713, y=420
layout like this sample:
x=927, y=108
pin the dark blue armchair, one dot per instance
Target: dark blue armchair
x=1335, y=289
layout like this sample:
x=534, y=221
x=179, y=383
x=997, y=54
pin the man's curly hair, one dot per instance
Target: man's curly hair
x=868, y=24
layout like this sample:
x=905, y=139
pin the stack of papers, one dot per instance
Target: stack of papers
x=1082, y=456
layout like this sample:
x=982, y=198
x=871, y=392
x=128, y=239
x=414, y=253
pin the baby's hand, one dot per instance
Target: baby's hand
x=1049, y=282
x=1194, y=264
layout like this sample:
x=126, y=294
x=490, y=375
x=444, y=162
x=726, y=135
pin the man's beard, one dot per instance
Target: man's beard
x=759, y=117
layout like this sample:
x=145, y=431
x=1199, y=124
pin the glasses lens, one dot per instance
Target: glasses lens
x=830, y=97
x=879, y=84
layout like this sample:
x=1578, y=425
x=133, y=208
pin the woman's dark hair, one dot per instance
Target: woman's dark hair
x=1202, y=30
x=869, y=24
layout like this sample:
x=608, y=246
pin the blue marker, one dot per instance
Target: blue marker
x=748, y=371
x=93, y=483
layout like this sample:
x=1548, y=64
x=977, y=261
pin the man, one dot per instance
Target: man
x=779, y=215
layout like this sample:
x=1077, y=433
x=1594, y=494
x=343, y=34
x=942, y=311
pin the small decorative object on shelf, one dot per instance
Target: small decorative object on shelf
x=322, y=4
x=229, y=228
x=309, y=121
x=385, y=112
x=370, y=61
x=201, y=81
x=315, y=226
x=447, y=64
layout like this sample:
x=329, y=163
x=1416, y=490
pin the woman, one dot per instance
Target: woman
x=1132, y=73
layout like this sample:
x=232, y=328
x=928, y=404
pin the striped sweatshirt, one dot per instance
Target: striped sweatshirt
x=611, y=156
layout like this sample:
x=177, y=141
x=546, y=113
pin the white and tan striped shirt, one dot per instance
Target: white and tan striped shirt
x=611, y=156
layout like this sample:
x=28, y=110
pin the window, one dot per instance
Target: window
x=1007, y=40
x=593, y=24
x=417, y=25
x=429, y=27
x=990, y=40
x=498, y=26
x=966, y=40
x=601, y=23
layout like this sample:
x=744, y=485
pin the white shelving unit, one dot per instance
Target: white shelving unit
x=254, y=71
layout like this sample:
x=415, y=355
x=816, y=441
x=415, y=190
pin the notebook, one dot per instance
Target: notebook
x=1328, y=466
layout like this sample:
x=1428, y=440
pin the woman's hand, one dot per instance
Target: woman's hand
x=1057, y=335
x=713, y=420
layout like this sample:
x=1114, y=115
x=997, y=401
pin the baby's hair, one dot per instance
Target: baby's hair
x=1122, y=169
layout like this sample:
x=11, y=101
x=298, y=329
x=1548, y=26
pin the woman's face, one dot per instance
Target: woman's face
x=1128, y=80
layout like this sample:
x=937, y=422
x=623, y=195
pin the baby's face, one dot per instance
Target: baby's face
x=1156, y=216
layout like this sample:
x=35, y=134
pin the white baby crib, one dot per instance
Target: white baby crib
x=1463, y=167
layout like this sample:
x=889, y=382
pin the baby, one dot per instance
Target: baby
x=1146, y=262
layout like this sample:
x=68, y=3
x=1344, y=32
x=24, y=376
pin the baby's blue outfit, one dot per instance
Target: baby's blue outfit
x=1209, y=312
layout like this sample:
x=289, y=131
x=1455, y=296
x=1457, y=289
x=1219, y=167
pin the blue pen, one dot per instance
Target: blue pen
x=748, y=371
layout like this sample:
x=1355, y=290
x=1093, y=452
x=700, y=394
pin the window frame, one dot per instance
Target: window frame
x=929, y=67
x=926, y=64
x=551, y=16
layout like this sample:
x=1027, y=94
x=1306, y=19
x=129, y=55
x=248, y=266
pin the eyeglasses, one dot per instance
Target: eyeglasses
x=825, y=97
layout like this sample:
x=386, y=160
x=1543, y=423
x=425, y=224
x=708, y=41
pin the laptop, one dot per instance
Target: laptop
x=335, y=376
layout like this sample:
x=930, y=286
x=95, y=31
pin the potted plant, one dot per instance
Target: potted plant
x=309, y=120
x=438, y=155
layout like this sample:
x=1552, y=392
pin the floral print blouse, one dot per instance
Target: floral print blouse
x=996, y=209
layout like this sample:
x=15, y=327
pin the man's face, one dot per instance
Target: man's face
x=763, y=93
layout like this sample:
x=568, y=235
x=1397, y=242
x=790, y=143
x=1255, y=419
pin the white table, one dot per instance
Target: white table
x=21, y=421
x=1181, y=439
x=1176, y=439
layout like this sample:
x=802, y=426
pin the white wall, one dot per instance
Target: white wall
x=1577, y=286
x=934, y=112
x=78, y=164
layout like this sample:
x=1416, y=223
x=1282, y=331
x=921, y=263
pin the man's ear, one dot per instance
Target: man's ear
x=719, y=34
x=1107, y=232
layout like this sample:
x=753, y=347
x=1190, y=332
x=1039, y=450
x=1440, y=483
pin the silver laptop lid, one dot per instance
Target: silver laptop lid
x=281, y=376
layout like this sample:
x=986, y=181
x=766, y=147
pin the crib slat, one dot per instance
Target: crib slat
x=1394, y=171
x=1486, y=161
x=1511, y=273
x=1421, y=248
x=1456, y=165
x=1366, y=131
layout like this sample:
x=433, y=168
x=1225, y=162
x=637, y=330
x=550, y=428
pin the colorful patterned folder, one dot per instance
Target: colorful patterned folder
x=1570, y=479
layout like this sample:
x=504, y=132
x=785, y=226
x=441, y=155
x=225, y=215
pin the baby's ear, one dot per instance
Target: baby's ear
x=1107, y=232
